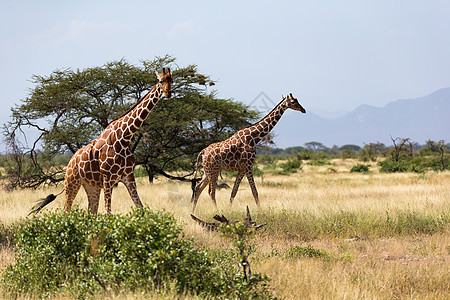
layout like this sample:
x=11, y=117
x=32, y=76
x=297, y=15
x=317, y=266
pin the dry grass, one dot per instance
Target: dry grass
x=378, y=266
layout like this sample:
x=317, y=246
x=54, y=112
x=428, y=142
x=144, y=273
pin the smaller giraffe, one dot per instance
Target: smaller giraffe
x=237, y=153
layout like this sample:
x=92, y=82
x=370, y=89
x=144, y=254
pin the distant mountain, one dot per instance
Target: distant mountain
x=419, y=119
x=323, y=113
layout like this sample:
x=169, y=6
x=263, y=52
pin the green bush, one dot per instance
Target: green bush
x=319, y=162
x=232, y=174
x=290, y=166
x=257, y=172
x=430, y=162
x=418, y=164
x=270, y=168
x=308, y=251
x=140, y=172
x=82, y=254
x=7, y=235
x=305, y=154
x=388, y=166
x=360, y=168
x=247, y=285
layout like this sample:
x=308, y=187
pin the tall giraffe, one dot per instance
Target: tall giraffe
x=237, y=153
x=108, y=160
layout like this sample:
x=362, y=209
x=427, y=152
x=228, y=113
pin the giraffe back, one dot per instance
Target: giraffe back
x=233, y=154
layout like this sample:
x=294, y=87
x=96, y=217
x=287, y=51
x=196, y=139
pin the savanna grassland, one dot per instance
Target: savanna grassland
x=331, y=234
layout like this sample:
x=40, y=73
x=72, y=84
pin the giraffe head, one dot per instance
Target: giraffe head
x=165, y=79
x=292, y=103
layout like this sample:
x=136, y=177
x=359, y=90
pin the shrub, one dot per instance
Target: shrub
x=430, y=162
x=305, y=154
x=319, y=162
x=257, y=172
x=417, y=168
x=417, y=164
x=347, y=153
x=140, y=172
x=269, y=168
x=290, y=166
x=247, y=285
x=308, y=251
x=230, y=174
x=82, y=254
x=7, y=235
x=360, y=168
x=388, y=166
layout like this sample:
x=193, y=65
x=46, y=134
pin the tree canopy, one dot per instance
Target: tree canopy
x=69, y=108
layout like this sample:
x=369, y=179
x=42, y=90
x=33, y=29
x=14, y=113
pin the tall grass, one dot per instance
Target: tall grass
x=388, y=234
x=307, y=225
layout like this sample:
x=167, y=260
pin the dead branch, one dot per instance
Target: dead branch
x=214, y=226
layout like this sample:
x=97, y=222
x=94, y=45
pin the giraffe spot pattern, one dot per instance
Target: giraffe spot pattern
x=237, y=153
x=108, y=160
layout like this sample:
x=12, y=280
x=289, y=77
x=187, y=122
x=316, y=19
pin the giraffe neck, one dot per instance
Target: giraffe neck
x=263, y=127
x=129, y=123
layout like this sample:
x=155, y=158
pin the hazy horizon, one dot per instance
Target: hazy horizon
x=332, y=55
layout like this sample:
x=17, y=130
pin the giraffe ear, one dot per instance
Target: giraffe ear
x=157, y=75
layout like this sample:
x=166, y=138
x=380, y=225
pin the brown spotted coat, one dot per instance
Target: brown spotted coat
x=108, y=160
x=237, y=153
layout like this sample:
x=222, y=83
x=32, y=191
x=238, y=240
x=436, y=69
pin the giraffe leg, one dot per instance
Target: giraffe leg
x=198, y=190
x=236, y=185
x=212, y=186
x=71, y=186
x=130, y=183
x=107, y=190
x=93, y=194
x=251, y=181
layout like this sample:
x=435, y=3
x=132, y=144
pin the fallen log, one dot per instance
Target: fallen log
x=214, y=226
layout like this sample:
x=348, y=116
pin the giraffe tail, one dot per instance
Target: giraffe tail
x=43, y=202
x=194, y=181
x=196, y=163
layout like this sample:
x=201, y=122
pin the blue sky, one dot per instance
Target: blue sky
x=332, y=55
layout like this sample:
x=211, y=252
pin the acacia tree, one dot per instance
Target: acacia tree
x=401, y=146
x=315, y=146
x=69, y=108
x=349, y=150
x=371, y=151
x=433, y=148
x=180, y=129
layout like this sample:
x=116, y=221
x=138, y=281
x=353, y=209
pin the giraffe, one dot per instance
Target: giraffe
x=108, y=160
x=237, y=153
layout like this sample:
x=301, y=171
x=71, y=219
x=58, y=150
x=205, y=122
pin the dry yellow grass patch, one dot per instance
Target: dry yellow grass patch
x=394, y=267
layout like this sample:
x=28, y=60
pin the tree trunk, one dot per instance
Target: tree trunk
x=150, y=173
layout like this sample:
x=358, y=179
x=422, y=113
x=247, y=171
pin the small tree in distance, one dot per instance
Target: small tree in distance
x=371, y=151
x=314, y=146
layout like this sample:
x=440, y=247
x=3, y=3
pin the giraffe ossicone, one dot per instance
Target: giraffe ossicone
x=108, y=160
x=238, y=153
